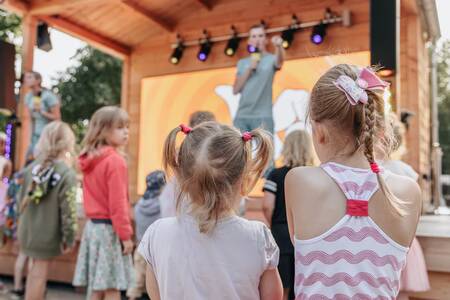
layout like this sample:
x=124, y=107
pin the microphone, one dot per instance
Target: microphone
x=256, y=55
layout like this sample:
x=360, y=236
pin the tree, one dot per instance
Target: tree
x=94, y=81
x=10, y=32
x=10, y=28
x=443, y=74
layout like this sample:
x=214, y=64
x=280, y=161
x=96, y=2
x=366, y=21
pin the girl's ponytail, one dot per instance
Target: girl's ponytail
x=368, y=134
x=260, y=156
x=170, y=151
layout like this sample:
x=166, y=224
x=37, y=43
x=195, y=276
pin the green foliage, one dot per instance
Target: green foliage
x=94, y=81
x=10, y=28
x=10, y=32
x=443, y=73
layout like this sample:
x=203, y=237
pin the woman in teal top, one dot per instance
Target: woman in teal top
x=41, y=107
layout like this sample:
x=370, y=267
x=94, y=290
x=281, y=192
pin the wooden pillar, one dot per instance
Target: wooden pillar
x=124, y=98
x=414, y=97
x=29, y=24
x=133, y=108
x=127, y=103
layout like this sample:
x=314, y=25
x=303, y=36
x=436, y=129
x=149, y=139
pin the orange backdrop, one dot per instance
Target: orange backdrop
x=167, y=101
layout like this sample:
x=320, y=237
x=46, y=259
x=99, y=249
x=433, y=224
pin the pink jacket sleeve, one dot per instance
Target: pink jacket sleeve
x=117, y=182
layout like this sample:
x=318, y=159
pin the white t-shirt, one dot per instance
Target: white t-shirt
x=400, y=168
x=168, y=199
x=225, y=264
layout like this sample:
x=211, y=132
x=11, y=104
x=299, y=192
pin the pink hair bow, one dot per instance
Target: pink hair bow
x=355, y=90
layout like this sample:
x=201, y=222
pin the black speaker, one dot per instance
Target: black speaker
x=383, y=35
x=7, y=76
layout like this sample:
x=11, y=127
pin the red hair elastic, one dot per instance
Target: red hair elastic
x=247, y=136
x=375, y=168
x=185, y=129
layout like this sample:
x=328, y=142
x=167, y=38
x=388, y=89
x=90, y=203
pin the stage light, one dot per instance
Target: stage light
x=287, y=36
x=233, y=43
x=43, y=41
x=318, y=34
x=386, y=72
x=232, y=46
x=251, y=48
x=177, y=54
x=205, y=49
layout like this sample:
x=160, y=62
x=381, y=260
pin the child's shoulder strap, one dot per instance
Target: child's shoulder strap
x=358, y=186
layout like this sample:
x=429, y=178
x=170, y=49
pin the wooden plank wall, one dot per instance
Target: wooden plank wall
x=151, y=58
x=415, y=97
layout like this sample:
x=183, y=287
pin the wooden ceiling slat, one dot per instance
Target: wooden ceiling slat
x=150, y=15
x=105, y=19
x=52, y=7
x=205, y=4
x=106, y=44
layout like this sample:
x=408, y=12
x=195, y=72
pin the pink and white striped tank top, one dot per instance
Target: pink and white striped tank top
x=354, y=259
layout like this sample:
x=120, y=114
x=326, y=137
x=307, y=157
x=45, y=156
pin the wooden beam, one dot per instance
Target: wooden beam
x=205, y=4
x=15, y=6
x=409, y=6
x=126, y=73
x=29, y=24
x=149, y=15
x=103, y=43
x=52, y=7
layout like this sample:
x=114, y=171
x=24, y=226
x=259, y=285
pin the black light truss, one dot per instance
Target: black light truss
x=330, y=18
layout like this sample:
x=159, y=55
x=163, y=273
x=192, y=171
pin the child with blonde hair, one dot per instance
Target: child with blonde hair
x=351, y=222
x=297, y=152
x=104, y=262
x=209, y=252
x=48, y=222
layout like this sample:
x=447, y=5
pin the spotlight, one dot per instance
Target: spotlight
x=287, y=36
x=232, y=46
x=318, y=34
x=205, y=49
x=43, y=41
x=177, y=54
x=251, y=48
x=385, y=72
x=233, y=43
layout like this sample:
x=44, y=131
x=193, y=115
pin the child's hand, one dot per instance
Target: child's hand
x=127, y=247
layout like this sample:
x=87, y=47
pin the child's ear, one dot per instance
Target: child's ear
x=321, y=133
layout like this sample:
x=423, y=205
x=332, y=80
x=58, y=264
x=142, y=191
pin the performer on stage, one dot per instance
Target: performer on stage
x=41, y=107
x=254, y=80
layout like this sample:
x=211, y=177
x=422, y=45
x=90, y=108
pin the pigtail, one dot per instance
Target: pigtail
x=369, y=125
x=170, y=152
x=262, y=154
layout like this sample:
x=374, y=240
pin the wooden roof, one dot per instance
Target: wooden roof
x=121, y=25
x=118, y=26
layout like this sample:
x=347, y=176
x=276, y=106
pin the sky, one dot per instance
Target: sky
x=443, y=8
x=65, y=46
x=59, y=58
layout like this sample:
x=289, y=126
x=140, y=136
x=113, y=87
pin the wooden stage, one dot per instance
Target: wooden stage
x=433, y=234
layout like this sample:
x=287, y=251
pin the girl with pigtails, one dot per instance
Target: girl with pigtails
x=209, y=252
x=364, y=217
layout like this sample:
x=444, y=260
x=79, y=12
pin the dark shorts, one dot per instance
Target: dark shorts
x=248, y=124
x=286, y=267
